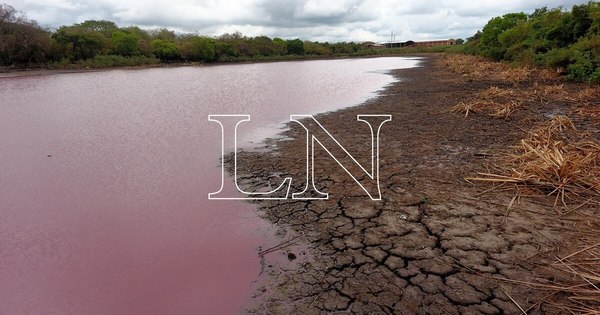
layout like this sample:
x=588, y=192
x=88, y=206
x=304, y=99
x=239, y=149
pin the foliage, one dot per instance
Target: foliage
x=125, y=43
x=79, y=43
x=22, y=42
x=490, y=42
x=102, y=26
x=565, y=40
x=316, y=48
x=196, y=48
x=295, y=47
x=164, y=50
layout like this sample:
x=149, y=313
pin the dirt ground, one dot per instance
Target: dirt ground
x=435, y=243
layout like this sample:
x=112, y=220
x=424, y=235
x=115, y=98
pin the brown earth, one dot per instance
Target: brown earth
x=435, y=243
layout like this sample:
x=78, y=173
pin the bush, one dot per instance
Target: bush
x=582, y=67
x=555, y=58
x=550, y=38
x=595, y=77
x=165, y=50
x=490, y=43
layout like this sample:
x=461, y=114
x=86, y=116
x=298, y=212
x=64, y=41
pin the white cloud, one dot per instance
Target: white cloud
x=323, y=20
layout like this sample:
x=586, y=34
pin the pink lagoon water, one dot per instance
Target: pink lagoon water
x=104, y=179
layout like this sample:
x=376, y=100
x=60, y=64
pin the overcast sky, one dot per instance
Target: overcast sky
x=322, y=20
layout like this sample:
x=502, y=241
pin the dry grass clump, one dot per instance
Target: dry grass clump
x=515, y=75
x=505, y=110
x=556, y=89
x=469, y=107
x=496, y=109
x=555, y=159
x=496, y=92
x=554, y=126
x=588, y=100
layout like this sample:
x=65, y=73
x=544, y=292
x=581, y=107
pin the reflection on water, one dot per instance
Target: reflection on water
x=104, y=179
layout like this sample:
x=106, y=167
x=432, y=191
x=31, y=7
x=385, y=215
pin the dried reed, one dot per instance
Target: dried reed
x=554, y=158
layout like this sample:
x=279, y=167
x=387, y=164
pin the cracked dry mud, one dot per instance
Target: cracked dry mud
x=434, y=244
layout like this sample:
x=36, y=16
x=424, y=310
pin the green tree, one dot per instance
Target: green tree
x=101, y=26
x=264, y=46
x=163, y=34
x=489, y=43
x=79, y=43
x=144, y=39
x=316, y=48
x=224, y=50
x=22, y=41
x=125, y=44
x=295, y=47
x=165, y=50
x=280, y=46
x=198, y=49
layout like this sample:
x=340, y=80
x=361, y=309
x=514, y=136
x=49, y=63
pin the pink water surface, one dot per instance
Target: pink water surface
x=104, y=179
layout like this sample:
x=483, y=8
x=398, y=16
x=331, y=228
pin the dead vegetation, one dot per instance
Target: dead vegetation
x=505, y=110
x=495, y=109
x=554, y=159
x=502, y=102
x=582, y=265
x=474, y=67
x=577, y=292
x=589, y=104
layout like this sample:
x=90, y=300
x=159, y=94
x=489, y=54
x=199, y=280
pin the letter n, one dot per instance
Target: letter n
x=367, y=179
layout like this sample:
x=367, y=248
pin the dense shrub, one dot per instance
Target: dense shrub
x=569, y=40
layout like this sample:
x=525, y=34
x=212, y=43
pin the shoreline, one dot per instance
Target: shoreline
x=435, y=243
x=15, y=73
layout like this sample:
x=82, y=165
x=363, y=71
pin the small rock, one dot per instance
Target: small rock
x=291, y=256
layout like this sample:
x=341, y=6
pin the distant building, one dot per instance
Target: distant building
x=429, y=43
x=375, y=45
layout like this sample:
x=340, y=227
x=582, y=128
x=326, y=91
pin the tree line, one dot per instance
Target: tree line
x=567, y=40
x=23, y=43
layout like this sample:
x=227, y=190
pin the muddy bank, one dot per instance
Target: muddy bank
x=434, y=243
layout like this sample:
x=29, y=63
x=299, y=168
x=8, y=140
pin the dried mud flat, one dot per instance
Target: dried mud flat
x=435, y=243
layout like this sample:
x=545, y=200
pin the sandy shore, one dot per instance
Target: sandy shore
x=435, y=243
